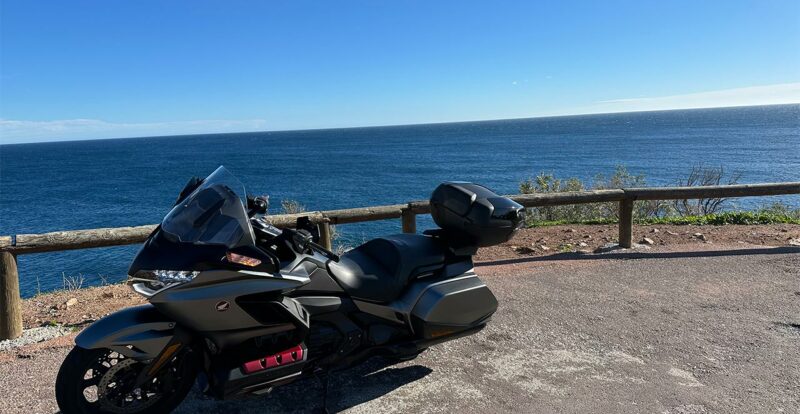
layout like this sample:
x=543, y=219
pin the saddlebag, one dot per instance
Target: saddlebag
x=452, y=305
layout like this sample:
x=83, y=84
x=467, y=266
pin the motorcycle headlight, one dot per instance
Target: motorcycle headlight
x=150, y=282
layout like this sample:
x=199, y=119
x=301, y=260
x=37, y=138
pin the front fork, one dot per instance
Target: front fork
x=181, y=340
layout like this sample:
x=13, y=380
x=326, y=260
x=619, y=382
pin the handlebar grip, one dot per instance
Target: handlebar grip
x=327, y=253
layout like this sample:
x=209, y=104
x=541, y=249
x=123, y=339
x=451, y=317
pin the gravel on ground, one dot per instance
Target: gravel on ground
x=35, y=335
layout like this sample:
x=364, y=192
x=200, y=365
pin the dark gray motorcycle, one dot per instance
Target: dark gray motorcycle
x=248, y=306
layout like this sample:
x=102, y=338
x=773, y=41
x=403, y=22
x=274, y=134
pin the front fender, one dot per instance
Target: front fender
x=139, y=332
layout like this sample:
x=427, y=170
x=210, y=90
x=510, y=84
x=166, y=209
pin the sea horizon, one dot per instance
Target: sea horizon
x=535, y=117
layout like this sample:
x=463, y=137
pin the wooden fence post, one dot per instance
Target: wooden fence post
x=626, y=223
x=325, y=234
x=10, y=302
x=409, y=221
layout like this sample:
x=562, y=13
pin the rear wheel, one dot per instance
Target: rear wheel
x=95, y=381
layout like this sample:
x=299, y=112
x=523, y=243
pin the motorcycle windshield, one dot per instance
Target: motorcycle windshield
x=214, y=213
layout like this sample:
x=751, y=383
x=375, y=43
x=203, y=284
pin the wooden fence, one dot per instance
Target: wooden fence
x=10, y=247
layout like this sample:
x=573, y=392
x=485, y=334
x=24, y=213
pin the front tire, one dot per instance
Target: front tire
x=100, y=381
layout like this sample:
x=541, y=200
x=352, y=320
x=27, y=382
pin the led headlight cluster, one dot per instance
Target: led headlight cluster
x=169, y=277
x=150, y=282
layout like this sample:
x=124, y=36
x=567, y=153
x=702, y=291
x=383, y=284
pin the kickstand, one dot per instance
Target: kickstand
x=324, y=379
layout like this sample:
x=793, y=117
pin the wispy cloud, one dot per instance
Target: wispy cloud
x=784, y=93
x=13, y=131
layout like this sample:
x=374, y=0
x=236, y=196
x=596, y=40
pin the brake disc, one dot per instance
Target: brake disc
x=113, y=393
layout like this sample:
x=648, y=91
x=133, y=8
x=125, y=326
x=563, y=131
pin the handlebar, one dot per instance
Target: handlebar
x=302, y=240
x=325, y=252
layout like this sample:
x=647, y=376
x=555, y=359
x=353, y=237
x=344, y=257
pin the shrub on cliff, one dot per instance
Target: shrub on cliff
x=702, y=211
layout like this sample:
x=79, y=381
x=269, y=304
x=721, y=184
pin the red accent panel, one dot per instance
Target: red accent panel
x=253, y=366
x=289, y=356
x=272, y=361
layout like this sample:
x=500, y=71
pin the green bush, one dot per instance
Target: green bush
x=781, y=209
x=731, y=217
x=621, y=178
x=704, y=211
x=547, y=183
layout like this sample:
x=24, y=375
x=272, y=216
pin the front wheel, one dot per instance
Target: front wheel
x=95, y=381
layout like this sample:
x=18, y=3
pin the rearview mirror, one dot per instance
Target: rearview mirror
x=258, y=204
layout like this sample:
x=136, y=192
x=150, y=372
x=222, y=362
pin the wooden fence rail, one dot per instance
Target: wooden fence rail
x=10, y=247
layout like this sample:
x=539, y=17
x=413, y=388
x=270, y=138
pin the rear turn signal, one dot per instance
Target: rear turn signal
x=242, y=260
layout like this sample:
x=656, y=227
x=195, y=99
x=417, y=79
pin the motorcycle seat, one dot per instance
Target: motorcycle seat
x=380, y=269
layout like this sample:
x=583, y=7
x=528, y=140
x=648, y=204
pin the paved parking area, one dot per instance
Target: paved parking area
x=653, y=332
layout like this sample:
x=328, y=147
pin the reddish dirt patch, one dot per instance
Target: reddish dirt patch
x=542, y=241
x=88, y=305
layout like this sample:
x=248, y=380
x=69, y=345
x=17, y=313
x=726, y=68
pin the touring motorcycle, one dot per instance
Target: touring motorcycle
x=248, y=307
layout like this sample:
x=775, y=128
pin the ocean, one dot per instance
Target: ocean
x=124, y=182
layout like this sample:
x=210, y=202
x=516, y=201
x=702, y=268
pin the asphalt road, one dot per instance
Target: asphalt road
x=661, y=332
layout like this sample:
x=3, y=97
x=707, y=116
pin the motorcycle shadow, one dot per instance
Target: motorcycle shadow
x=348, y=388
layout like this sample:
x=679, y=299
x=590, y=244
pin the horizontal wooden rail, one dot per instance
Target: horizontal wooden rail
x=79, y=239
x=717, y=191
x=82, y=239
x=577, y=197
x=10, y=247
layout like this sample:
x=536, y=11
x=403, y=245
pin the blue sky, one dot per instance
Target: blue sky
x=100, y=69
